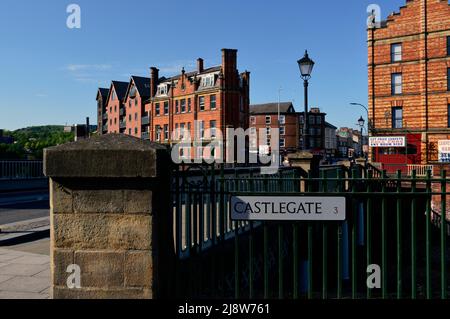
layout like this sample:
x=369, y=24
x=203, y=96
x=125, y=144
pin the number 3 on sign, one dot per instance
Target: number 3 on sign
x=336, y=210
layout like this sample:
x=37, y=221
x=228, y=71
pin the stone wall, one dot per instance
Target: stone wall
x=109, y=197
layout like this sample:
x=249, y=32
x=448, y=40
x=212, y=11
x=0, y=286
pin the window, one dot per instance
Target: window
x=115, y=120
x=396, y=83
x=189, y=104
x=448, y=45
x=282, y=142
x=110, y=109
x=176, y=107
x=212, y=102
x=282, y=130
x=252, y=120
x=253, y=131
x=201, y=103
x=312, y=119
x=135, y=130
x=135, y=116
x=110, y=121
x=183, y=106
x=129, y=103
x=115, y=108
x=208, y=80
x=396, y=52
x=448, y=79
x=397, y=117
x=268, y=131
x=129, y=131
x=448, y=116
x=166, y=107
x=212, y=125
x=268, y=119
x=202, y=129
x=162, y=89
x=135, y=102
x=129, y=118
x=189, y=128
x=318, y=119
x=157, y=109
x=177, y=132
x=166, y=132
x=158, y=132
x=282, y=119
x=182, y=132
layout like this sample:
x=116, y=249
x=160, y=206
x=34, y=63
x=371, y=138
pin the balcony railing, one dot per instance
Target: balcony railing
x=145, y=120
x=145, y=135
x=122, y=124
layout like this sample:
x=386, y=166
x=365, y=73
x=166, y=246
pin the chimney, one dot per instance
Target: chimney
x=229, y=68
x=199, y=65
x=154, y=76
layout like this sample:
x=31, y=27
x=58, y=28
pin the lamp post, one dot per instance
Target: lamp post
x=367, y=111
x=305, y=65
x=361, y=125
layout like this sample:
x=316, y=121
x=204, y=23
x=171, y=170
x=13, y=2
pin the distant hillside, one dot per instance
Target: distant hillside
x=30, y=141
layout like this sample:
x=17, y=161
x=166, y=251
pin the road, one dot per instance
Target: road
x=20, y=206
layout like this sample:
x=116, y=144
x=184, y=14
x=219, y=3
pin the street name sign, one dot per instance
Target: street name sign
x=312, y=208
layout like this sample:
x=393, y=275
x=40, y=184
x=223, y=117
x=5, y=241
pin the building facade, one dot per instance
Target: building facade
x=114, y=102
x=102, y=116
x=330, y=140
x=409, y=85
x=216, y=98
x=265, y=117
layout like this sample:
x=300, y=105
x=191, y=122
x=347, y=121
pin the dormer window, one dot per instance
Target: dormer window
x=162, y=89
x=133, y=92
x=208, y=80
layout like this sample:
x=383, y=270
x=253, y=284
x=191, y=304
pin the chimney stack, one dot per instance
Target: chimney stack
x=154, y=76
x=200, y=65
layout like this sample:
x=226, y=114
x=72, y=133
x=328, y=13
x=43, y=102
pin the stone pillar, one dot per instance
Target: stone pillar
x=110, y=215
x=306, y=161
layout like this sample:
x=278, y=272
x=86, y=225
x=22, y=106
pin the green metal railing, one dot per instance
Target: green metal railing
x=395, y=223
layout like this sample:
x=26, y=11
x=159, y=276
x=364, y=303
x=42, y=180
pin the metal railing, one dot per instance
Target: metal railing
x=389, y=224
x=421, y=170
x=21, y=170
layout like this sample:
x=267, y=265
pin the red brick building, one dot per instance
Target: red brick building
x=409, y=70
x=114, y=102
x=102, y=116
x=265, y=116
x=217, y=97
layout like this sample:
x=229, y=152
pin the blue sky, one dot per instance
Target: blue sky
x=49, y=73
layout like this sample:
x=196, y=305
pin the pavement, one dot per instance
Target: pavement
x=25, y=270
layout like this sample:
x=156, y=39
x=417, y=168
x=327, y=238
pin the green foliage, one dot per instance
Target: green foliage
x=30, y=141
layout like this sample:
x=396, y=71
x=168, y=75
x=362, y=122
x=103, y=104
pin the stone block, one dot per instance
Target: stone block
x=60, y=198
x=137, y=201
x=98, y=201
x=61, y=259
x=102, y=231
x=138, y=269
x=101, y=269
x=92, y=293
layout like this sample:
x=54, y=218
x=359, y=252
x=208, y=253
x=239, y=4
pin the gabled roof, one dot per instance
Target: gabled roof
x=142, y=85
x=103, y=92
x=120, y=87
x=270, y=108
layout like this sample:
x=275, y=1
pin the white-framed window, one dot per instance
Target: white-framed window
x=282, y=142
x=158, y=132
x=208, y=80
x=212, y=127
x=397, y=83
x=282, y=130
x=268, y=131
x=202, y=129
x=166, y=132
x=282, y=119
x=162, y=89
x=201, y=103
x=396, y=52
x=268, y=119
x=252, y=120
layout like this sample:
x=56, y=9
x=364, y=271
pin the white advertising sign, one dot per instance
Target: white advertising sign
x=444, y=151
x=287, y=208
x=387, y=141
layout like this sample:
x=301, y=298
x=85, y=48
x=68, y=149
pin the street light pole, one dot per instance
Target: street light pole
x=305, y=65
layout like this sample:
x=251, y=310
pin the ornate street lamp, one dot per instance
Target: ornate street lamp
x=306, y=66
x=361, y=123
